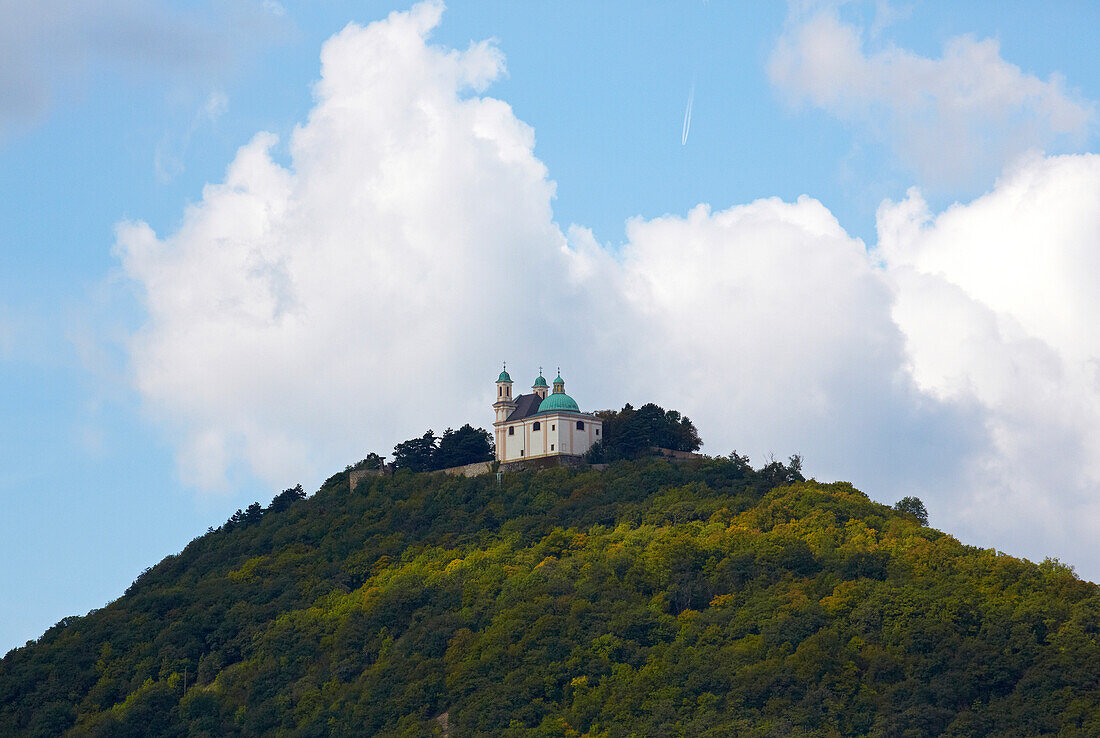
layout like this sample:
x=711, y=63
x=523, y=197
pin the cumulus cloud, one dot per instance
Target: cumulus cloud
x=951, y=120
x=47, y=45
x=306, y=313
x=998, y=304
x=769, y=323
x=302, y=314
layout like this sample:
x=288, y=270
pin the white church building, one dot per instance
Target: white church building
x=542, y=423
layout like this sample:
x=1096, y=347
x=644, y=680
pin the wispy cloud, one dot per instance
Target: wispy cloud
x=171, y=151
x=955, y=121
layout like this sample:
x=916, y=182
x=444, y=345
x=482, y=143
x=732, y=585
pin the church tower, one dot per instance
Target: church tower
x=504, y=404
x=539, y=387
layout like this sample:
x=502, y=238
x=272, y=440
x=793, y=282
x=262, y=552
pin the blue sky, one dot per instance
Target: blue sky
x=124, y=112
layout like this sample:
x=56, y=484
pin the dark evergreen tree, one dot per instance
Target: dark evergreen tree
x=416, y=454
x=252, y=514
x=467, y=445
x=286, y=498
x=632, y=433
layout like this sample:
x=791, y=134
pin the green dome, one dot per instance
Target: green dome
x=504, y=377
x=559, y=380
x=558, y=401
x=540, y=382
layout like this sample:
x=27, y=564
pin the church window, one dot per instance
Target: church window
x=551, y=447
x=553, y=427
x=521, y=452
x=537, y=426
x=580, y=425
x=500, y=392
x=512, y=431
x=597, y=431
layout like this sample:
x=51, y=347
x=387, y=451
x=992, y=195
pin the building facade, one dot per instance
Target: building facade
x=543, y=423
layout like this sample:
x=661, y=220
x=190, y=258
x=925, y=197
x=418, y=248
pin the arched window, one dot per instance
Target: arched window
x=512, y=431
x=580, y=425
x=536, y=426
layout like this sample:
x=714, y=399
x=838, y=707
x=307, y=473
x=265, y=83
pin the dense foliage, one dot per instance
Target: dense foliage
x=371, y=461
x=914, y=507
x=649, y=599
x=467, y=445
x=631, y=434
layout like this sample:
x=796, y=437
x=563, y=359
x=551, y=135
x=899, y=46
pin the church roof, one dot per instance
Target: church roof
x=504, y=377
x=541, y=381
x=526, y=405
x=558, y=401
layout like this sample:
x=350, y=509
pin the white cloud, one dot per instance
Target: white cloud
x=305, y=314
x=997, y=299
x=770, y=327
x=954, y=121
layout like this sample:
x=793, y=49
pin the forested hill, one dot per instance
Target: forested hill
x=648, y=600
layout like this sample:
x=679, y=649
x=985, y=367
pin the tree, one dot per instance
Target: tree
x=252, y=514
x=372, y=461
x=777, y=474
x=913, y=506
x=467, y=445
x=630, y=433
x=416, y=454
x=286, y=498
x=234, y=520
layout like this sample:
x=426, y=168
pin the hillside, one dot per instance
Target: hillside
x=648, y=599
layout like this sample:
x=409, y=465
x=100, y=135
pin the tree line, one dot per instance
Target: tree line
x=467, y=445
x=631, y=433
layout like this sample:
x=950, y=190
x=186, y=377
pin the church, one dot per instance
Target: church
x=542, y=423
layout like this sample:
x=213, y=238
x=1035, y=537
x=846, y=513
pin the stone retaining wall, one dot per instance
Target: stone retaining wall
x=543, y=462
x=470, y=470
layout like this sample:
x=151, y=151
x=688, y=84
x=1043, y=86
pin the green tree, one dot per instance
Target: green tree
x=252, y=514
x=286, y=498
x=631, y=433
x=467, y=445
x=913, y=506
x=416, y=454
x=371, y=461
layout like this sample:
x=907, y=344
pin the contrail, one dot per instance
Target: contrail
x=687, y=117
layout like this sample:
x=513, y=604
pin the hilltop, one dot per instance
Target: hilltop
x=649, y=599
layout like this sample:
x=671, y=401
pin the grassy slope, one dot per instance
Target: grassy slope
x=644, y=600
